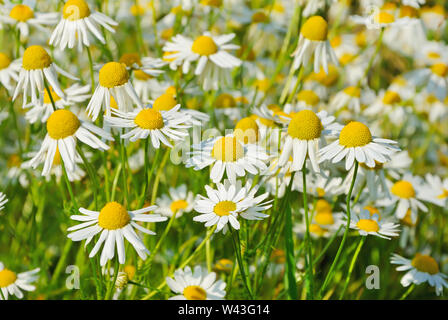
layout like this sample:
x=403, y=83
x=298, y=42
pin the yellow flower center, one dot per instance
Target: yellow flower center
x=403, y=189
x=62, y=124
x=309, y=97
x=141, y=75
x=113, y=74
x=346, y=58
x=315, y=29
x=195, y=293
x=353, y=91
x=246, y=130
x=372, y=210
x=317, y=229
x=262, y=84
x=137, y=10
x=324, y=218
x=224, y=208
x=433, y=55
x=224, y=265
x=225, y=100
x=130, y=58
x=165, y=102
x=384, y=17
x=178, y=205
x=171, y=90
x=166, y=34
x=408, y=11
x=355, y=134
x=130, y=271
x=21, y=13
x=323, y=205
x=57, y=158
x=440, y=69
x=166, y=54
x=360, y=39
x=259, y=17
x=391, y=97
x=425, y=263
x=7, y=277
x=227, y=149
x=113, y=216
x=305, y=125
x=4, y=61
x=264, y=121
x=326, y=79
x=204, y=46
x=53, y=95
x=368, y=225
x=211, y=3
x=35, y=57
x=75, y=10
x=149, y=119
x=437, y=9
x=444, y=194
x=320, y=192
x=336, y=41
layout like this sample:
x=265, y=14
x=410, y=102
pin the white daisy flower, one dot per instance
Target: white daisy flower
x=9, y=71
x=12, y=283
x=439, y=190
x=227, y=154
x=114, y=223
x=305, y=132
x=413, y=3
x=228, y=203
x=114, y=81
x=352, y=98
x=210, y=52
x=77, y=23
x=197, y=285
x=422, y=268
x=23, y=16
x=159, y=125
x=37, y=67
x=3, y=200
x=434, y=17
x=313, y=41
x=321, y=185
x=367, y=223
x=73, y=95
x=63, y=128
x=178, y=200
x=381, y=19
x=146, y=65
x=355, y=142
x=388, y=103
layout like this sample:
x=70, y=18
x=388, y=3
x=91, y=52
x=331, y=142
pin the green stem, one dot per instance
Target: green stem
x=92, y=77
x=237, y=247
x=408, y=292
x=309, y=257
x=352, y=265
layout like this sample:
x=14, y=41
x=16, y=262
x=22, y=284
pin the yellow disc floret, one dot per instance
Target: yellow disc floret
x=323, y=205
x=204, y=46
x=62, y=124
x=178, y=205
x=324, y=218
x=113, y=216
x=246, y=130
x=195, y=293
x=35, y=57
x=353, y=91
x=305, y=125
x=440, y=69
x=309, y=97
x=149, y=119
x=113, y=74
x=75, y=10
x=425, y=263
x=384, y=18
x=227, y=149
x=403, y=189
x=130, y=58
x=315, y=29
x=391, y=97
x=368, y=225
x=225, y=100
x=21, y=13
x=224, y=208
x=7, y=277
x=141, y=75
x=4, y=61
x=165, y=102
x=53, y=95
x=355, y=134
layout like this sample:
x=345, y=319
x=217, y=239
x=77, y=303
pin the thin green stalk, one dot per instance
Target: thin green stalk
x=352, y=265
x=92, y=77
x=112, y=284
x=237, y=247
x=408, y=292
x=369, y=64
x=308, y=255
x=92, y=174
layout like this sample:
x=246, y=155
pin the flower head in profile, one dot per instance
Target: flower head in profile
x=113, y=223
x=12, y=283
x=3, y=200
x=368, y=223
x=197, y=285
x=9, y=70
x=177, y=200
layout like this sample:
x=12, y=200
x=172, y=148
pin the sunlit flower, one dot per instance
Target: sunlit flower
x=371, y=224
x=12, y=283
x=9, y=71
x=178, y=201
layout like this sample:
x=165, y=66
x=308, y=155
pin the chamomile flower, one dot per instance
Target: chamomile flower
x=23, y=17
x=211, y=53
x=381, y=19
x=77, y=23
x=388, y=103
x=356, y=143
x=114, y=80
x=12, y=283
x=114, y=223
x=197, y=285
x=63, y=130
x=149, y=122
x=422, y=268
x=178, y=200
x=351, y=97
x=227, y=154
x=304, y=134
x=37, y=67
x=371, y=224
x=439, y=190
x=9, y=70
x=73, y=95
x=3, y=200
x=313, y=41
x=229, y=202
